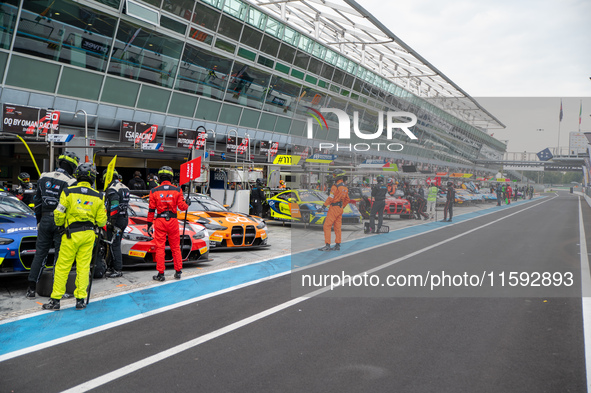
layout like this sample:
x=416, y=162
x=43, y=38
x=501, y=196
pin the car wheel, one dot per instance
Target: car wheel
x=305, y=217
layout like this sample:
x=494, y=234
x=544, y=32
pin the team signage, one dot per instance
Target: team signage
x=283, y=159
x=29, y=121
x=136, y=133
x=269, y=148
x=185, y=139
x=63, y=138
x=322, y=158
x=236, y=145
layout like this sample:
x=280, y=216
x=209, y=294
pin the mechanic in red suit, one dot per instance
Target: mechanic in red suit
x=165, y=200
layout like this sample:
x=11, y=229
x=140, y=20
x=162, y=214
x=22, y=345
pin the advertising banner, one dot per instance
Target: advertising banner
x=185, y=138
x=236, y=145
x=137, y=133
x=29, y=121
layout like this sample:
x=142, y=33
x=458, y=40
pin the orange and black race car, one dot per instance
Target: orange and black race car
x=226, y=229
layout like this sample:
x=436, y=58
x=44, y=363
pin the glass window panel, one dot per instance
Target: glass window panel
x=79, y=83
x=182, y=104
x=216, y=3
x=282, y=125
x=230, y=114
x=32, y=74
x=250, y=118
x=282, y=68
x=297, y=74
x=267, y=122
x=206, y=17
x=203, y=72
x=291, y=36
x=338, y=76
x=270, y=46
x=318, y=50
x=120, y=92
x=301, y=60
x=305, y=43
x=153, y=99
x=322, y=83
x=282, y=95
x=155, y=3
x=182, y=8
x=348, y=81
x=327, y=72
x=236, y=8
x=142, y=12
x=225, y=45
x=331, y=57
x=311, y=79
x=298, y=128
x=201, y=36
x=3, y=57
x=247, y=85
x=315, y=66
x=247, y=54
x=286, y=53
x=111, y=3
x=8, y=12
x=208, y=110
x=145, y=55
x=251, y=37
x=274, y=28
x=265, y=61
x=73, y=34
x=256, y=18
x=173, y=25
x=230, y=28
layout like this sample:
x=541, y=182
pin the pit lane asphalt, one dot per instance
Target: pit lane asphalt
x=345, y=342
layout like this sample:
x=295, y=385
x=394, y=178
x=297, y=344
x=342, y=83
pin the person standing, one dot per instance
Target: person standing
x=449, y=202
x=257, y=196
x=137, y=183
x=432, y=201
x=499, y=194
x=508, y=194
x=25, y=191
x=80, y=212
x=152, y=181
x=336, y=202
x=116, y=202
x=378, y=193
x=49, y=188
x=421, y=191
x=165, y=200
x=391, y=187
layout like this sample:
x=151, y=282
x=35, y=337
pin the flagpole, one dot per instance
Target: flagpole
x=559, y=121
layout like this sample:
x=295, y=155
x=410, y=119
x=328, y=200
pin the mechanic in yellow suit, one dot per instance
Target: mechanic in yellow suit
x=80, y=211
x=336, y=203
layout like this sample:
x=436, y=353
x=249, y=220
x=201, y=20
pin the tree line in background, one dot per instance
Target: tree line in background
x=555, y=177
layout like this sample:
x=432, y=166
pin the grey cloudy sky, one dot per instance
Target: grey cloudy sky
x=520, y=48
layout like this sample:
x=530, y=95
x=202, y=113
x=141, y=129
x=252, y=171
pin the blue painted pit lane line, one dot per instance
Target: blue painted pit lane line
x=16, y=335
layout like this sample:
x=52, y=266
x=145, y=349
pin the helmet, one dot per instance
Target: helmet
x=338, y=173
x=165, y=172
x=115, y=174
x=24, y=177
x=85, y=172
x=380, y=179
x=69, y=158
x=390, y=180
x=449, y=183
x=281, y=182
x=259, y=182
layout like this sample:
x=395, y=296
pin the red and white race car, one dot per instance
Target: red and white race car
x=138, y=247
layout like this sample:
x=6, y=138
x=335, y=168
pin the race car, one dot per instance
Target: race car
x=18, y=236
x=304, y=206
x=138, y=247
x=361, y=198
x=227, y=229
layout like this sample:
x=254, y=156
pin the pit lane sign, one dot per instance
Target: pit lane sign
x=190, y=170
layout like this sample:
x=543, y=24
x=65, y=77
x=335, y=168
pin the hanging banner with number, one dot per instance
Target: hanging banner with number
x=283, y=159
x=185, y=139
x=236, y=145
x=29, y=121
x=137, y=133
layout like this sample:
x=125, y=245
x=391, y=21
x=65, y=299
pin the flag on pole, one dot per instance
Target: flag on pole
x=560, y=117
x=110, y=170
x=545, y=155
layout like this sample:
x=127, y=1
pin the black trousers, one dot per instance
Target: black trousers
x=117, y=258
x=47, y=235
x=378, y=207
x=449, y=208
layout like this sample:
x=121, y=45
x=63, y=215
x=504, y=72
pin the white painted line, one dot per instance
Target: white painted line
x=585, y=295
x=123, y=371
